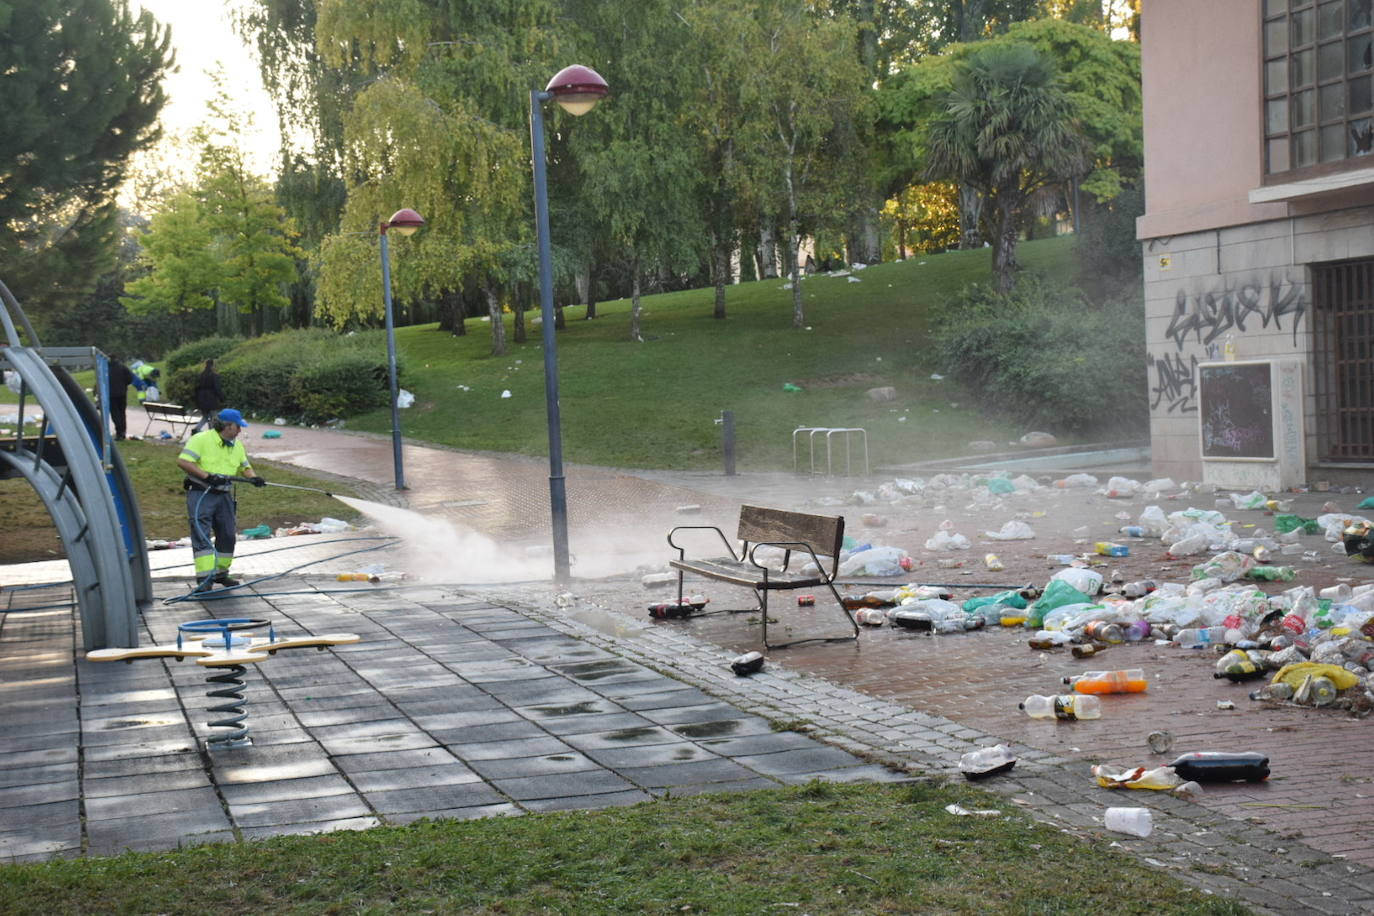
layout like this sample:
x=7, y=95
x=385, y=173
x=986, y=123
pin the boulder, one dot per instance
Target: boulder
x=1038, y=440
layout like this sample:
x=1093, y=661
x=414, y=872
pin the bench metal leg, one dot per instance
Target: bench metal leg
x=849, y=615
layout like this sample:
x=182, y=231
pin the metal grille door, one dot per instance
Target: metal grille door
x=1343, y=359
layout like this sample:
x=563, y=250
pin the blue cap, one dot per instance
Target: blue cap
x=230, y=415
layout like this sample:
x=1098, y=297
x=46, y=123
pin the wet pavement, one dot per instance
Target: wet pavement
x=461, y=671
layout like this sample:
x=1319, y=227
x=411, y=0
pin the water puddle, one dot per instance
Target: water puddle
x=595, y=671
x=708, y=729
x=631, y=734
x=577, y=709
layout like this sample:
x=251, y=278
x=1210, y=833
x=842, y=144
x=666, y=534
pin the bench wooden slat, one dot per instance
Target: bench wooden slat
x=746, y=574
x=825, y=533
x=175, y=415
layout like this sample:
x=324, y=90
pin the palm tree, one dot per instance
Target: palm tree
x=1006, y=130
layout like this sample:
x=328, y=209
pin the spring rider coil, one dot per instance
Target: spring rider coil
x=227, y=681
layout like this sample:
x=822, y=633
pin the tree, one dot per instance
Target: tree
x=1006, y=129
x=183, y=273
x=79, y=94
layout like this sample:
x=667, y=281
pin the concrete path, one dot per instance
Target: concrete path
x=587, y=703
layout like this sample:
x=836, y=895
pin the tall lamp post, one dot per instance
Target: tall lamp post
x=406, y=222
x=576, y=89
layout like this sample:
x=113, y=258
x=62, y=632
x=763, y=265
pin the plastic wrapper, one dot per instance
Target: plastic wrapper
x=1227, y=566
x=876, y=561
x=944, y=540
x=1087, y=581
x=1113, y=777
x=1252, y=500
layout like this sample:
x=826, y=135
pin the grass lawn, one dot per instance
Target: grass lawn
x=812, y=849
x=654, y=404
x=30, y=535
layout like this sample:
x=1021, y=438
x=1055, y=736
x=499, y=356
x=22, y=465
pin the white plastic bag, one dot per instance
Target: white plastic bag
x=1014, y=530
x=1252, y=500
x=876, y=561
x=404, y=398
x=1087, y=581
x=943, y=540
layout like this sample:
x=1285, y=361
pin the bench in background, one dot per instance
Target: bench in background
x=793, y=533
x=180, y=418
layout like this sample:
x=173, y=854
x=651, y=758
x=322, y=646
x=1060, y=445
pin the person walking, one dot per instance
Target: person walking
x=120, y=378
x=209, y=395
x=209, y=459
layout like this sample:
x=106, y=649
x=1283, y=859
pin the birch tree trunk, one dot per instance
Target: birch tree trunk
x=498, y=326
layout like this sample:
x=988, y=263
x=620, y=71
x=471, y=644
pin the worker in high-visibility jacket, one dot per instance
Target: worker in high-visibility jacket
x=210, y=458
x=145, y=378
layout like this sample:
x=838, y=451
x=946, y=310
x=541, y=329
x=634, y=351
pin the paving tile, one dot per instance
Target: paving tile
x=693, y=772
x=516, y=747
x=804, y=760
x=141, y=783
x=434, y=798
x=150, y=804
x=26, y=776
x=391, y=760
x=310, y=828
x=296, y=811
x=509, y=768
x=650, y=755
x=165, y=830
x=256, y=793
x=413, y=777
x=580, y=802
x=765, y=743
x=556, y=785
x=624, y=737
x=271, y=763
x=497, y=731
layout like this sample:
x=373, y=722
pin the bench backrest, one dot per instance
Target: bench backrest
x=825, y=533
x=161, y=407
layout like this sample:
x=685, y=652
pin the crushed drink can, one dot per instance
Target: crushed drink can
x=749, y=663
x=806, y=600
x=993, y=562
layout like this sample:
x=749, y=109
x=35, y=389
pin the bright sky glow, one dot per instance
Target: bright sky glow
x=204, y=40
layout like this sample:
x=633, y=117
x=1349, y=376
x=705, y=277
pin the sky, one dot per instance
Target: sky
x=203, y=38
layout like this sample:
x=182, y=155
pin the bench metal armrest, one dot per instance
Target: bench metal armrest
x=682, y=551
x=788, y=547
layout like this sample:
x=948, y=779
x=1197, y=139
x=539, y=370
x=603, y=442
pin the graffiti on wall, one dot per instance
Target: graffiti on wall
x=1173, y=383
x=1206, y=318
x=1213, y=313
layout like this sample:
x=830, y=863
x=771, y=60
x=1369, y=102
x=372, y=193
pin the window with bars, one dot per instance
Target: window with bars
x=1343, y=359
x=1318, y=85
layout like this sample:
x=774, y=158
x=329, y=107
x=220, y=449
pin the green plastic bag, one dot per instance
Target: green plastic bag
x=1057, y=594
x=1001, y=485
x=1271, y=573
x=1367, y=503
x=1285, y=523
x=1010, y=599
x=253, y=534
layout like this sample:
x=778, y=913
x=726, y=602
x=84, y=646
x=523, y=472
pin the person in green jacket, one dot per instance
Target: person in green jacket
x=210, y=458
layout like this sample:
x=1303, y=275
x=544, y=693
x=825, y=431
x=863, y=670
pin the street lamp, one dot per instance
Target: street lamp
x=576, y=89
x=406, y=222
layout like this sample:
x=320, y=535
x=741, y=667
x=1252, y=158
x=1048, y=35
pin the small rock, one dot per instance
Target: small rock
x=883, y=394
x=1038, y=440
x=982, y=445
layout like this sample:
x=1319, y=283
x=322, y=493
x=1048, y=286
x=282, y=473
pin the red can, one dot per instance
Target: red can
x=806, y=600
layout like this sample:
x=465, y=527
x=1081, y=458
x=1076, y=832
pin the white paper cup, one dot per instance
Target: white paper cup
x=1135, y=821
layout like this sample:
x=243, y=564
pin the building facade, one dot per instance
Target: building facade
x=1258, y=232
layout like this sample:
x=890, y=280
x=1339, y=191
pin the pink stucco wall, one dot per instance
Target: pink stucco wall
x=1201, y=67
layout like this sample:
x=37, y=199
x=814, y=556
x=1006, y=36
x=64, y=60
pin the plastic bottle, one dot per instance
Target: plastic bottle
x=870, y=616
x=1194, y=637
x=1132, y=531
x=1063, y=706
x=1104, y=631
x=1108, y=549
x=1139, y=589
x=1137, y=630
x=1130, y=680
x=1237, y=665
x=1222, y=766
x=1048, y=639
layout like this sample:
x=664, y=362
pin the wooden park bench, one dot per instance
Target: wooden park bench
x=180, y=418
x=809, y=537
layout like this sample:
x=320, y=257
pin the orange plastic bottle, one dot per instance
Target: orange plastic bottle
x=1131, y=680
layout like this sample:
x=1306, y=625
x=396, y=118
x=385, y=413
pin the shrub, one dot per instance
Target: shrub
x=1046, y=354
x=339, y=384
x=195, y=353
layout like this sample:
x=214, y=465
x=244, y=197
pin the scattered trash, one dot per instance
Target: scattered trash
x=1014, y=530
x=1063, y=706
x=1131, y=680
x=1157, y=778
x=404, y=398
x=271, y=434
x=674, y=609
x=749, y=663
x=961, y=811
x=806, y=600
x=1221, y=766
x=1160, y=742
x=987, y=761
x=788, y=386
x=505, y=393
x=261, y=531
x=1133, y=821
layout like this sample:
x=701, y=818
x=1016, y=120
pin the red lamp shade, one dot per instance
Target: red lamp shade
x=405, y=221
x=577, y=89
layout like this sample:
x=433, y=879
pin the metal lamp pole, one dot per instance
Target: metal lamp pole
x=577, y=89
x=404, y=221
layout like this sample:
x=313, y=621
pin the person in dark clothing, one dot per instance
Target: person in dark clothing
x=120, y=380
x=209, y=395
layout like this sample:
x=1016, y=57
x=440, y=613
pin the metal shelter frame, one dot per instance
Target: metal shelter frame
x=80, y=477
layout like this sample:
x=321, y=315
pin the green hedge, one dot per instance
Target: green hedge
x=1046, y=354
x=308, y=376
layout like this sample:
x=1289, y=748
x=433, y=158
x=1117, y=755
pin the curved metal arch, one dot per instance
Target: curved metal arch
x=87, y=492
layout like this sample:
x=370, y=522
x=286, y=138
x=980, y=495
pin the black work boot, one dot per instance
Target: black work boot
x=225, y=580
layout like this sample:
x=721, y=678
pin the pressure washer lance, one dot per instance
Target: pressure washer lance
x=287, y=486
